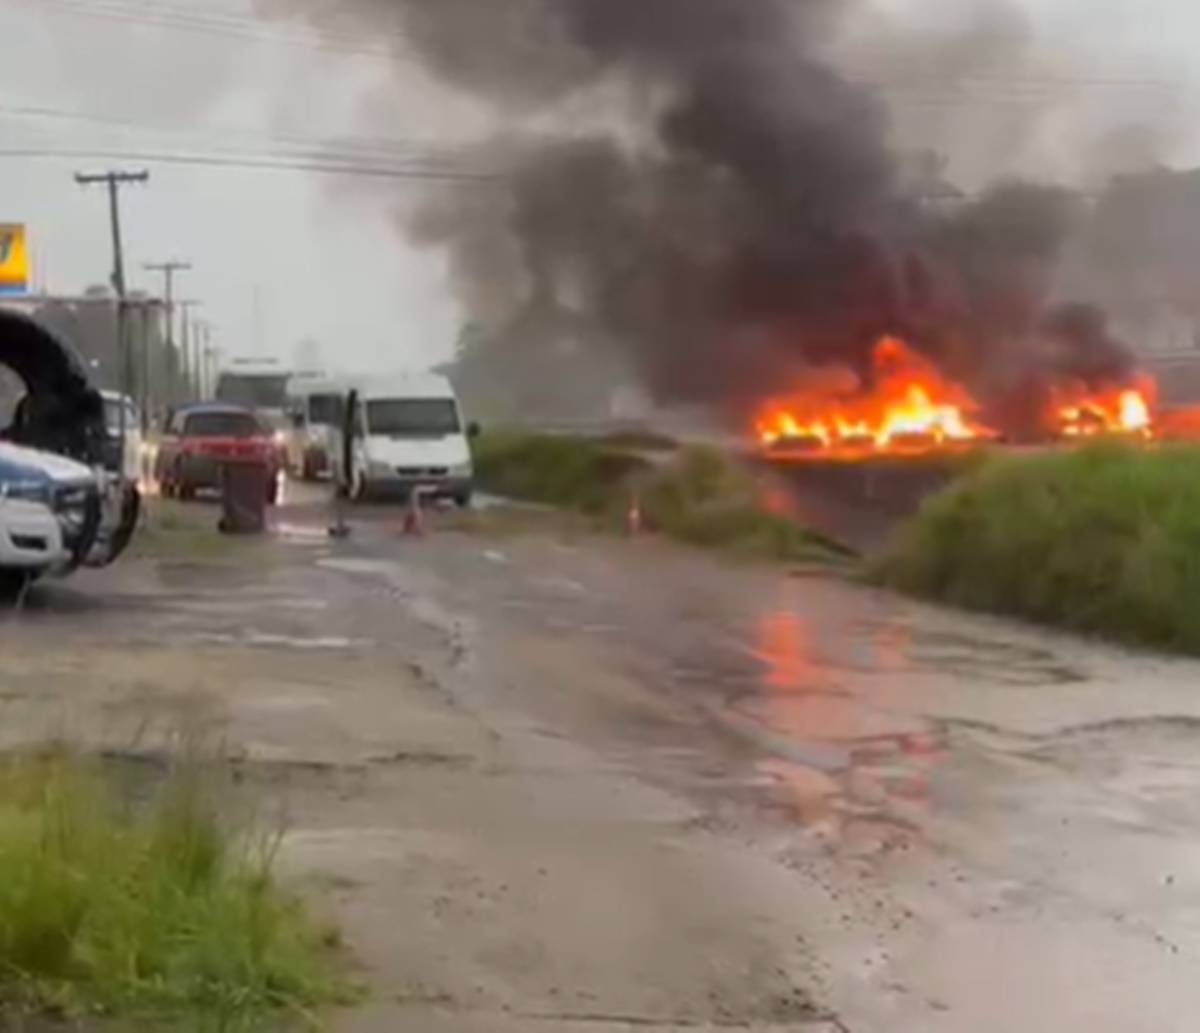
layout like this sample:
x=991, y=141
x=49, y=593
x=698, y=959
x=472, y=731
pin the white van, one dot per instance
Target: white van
x=315, y=416
x=408, y=434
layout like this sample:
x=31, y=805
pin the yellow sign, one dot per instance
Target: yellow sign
x=14, y=259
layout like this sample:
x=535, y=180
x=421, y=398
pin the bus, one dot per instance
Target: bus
x=259, y=384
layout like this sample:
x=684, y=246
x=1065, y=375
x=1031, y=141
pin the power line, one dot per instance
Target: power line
x=359, y=43
x=249, y=29
x=374, y=147
x=270, y=164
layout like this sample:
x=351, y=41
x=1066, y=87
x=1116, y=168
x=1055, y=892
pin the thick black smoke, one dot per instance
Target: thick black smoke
x=729, y=213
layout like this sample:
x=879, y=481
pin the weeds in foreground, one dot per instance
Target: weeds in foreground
x=1104, y=540
x=153, y=911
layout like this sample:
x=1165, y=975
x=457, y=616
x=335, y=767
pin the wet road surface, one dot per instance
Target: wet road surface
x=556, y=782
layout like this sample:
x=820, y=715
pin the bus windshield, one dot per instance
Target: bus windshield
x=253, y=390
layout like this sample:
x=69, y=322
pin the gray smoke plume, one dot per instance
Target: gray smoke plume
x=726, y=212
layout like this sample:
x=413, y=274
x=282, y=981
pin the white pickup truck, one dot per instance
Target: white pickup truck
x=68, y=495
x=50, y=512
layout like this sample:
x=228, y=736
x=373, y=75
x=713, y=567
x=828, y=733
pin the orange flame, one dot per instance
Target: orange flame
x=1126, y=409
x=911, y=407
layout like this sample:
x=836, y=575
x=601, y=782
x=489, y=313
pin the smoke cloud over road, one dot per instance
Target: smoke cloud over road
x=692, y=186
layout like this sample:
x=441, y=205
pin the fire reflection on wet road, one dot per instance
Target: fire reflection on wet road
x=974, y=812
x=921, y=767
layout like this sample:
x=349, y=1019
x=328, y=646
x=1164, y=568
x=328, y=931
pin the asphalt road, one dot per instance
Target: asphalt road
x=551, y=782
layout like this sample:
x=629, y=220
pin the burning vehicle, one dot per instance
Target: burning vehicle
x=62, y=503
x=908, y=406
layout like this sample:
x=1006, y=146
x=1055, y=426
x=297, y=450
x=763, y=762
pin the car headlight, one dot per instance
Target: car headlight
x=25, y=491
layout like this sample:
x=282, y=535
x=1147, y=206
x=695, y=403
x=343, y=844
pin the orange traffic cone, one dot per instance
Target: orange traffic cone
x=633, y=519
x=414, y=516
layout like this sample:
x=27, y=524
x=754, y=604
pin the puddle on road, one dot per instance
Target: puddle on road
x=268, y=640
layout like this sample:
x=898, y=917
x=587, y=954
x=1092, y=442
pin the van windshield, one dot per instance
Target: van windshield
x=413, y=417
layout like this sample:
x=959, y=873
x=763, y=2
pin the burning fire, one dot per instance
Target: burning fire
x=1119, y=410
x=910, y=407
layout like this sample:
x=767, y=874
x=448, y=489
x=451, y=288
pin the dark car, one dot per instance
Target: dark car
x=200, y=439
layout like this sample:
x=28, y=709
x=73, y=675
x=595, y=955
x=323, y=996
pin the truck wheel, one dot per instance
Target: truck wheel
x=463, y=500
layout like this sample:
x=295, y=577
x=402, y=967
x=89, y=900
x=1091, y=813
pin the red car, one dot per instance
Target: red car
x=200, y=438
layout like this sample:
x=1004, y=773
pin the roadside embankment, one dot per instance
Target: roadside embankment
x=1103, y=540
x=696, y=494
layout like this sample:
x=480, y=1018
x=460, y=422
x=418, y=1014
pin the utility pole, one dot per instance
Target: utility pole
x=211, y=354
x=203, y=352
x=191, y=369
x=148, y=401
x=114, y=180
x=169, y=269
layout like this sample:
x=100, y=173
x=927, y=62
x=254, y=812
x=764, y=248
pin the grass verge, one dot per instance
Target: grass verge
x=699, y=496
x=570, y=472
x=187, y=533
x=1104, y=540
x=154, y=913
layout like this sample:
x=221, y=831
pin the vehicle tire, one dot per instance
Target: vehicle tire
x=463, y=500
x=13, y=583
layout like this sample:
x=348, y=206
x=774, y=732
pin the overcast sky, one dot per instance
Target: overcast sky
x=323, y=253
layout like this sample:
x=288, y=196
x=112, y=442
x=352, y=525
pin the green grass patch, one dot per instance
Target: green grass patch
x=570, y=472
x=187, y=533
x=705, y=498
x=1104, y=540
x=700, y=495
x=640, y=441
x=152, y=911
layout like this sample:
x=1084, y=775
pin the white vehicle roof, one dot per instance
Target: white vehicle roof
x=409, y=385
x=302, y=387
x=252, y=367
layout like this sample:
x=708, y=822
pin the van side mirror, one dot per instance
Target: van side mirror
x=473, y=429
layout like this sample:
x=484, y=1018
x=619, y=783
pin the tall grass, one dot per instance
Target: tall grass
x=151, y=911
x=700, y=496
x=705, y=498
x=1105, y=540
x=570, y=472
